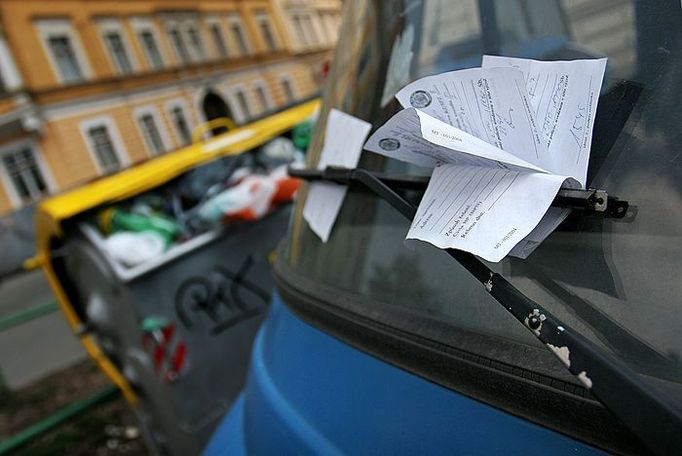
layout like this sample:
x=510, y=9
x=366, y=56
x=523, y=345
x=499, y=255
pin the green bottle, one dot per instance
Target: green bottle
x=301, y=134
x=113, y=220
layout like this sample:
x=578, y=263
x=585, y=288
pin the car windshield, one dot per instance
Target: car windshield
x=614, y=281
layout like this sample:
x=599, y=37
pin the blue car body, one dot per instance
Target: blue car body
x=309, y=393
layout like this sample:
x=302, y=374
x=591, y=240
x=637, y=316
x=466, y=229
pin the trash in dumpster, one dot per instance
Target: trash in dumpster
x=130, y=248
x=302, y=133
x=114, y=220
x=286, y=186
x=233, y=189
x=248, y=200
x=282, y=149
x=251, y=198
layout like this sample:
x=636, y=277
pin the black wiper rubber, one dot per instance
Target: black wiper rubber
x=589, y=200
x=643, y=409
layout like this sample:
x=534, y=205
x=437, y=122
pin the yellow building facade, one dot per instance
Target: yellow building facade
x=90, y=87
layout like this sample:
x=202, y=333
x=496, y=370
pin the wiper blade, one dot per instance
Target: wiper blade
x=589, y=200
x=646, y=412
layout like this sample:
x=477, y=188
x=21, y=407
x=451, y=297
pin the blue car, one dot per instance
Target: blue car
x=375, y=347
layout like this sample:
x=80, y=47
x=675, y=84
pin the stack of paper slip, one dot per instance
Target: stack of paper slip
x=502, y=140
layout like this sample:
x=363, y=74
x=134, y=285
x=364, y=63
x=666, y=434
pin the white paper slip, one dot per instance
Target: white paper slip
x=490, y=104
x=322, y=206
x=343, y=141
x=418, y=138
x=563, y=96
x=549, y=222
x=485, y=211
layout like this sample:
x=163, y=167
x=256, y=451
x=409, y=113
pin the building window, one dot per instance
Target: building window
x=63, y=50
x=310, y=28
x=151, y=49
x=104, y=149
x=289, y=95
x=195, y=43
x=238, y=35
x=218, y=40
x=179, y=46
x=263, y=97
x=25, y=175
x=266, y=31
x=298, y=26
x=181, y=126
x=151, y=133
x=243, y=104
x=65, y=58
x=118, y=52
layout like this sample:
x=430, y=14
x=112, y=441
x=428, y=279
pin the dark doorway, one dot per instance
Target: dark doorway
x=214, y=108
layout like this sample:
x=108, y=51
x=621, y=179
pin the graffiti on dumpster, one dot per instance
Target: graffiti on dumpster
x=224, y=296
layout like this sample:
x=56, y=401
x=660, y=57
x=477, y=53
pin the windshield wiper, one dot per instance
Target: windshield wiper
x=643, y=409
x=589, y=200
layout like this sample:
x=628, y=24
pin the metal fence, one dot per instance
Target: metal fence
x=61, y=416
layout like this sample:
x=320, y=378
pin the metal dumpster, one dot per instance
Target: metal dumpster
x=174, y=332
x=180, y=327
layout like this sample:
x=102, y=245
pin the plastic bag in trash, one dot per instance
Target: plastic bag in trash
x=280, y=148
x=194, y=184
x=131, y=249
x=113, y=220
x=251, y=198
x=277, y=152
x=248, y=200
x=238, y=174
x=285, y=184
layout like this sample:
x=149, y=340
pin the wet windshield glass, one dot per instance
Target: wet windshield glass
x=615, y=281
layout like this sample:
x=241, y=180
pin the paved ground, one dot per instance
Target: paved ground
x=32, y=351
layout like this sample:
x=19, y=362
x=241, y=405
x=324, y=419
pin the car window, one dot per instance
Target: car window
x=615, y=281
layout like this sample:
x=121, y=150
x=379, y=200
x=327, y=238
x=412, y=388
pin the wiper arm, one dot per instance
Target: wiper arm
x=643, y=410
x=590, y=200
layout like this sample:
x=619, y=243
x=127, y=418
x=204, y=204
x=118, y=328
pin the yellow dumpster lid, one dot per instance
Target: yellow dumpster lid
x=53, y=211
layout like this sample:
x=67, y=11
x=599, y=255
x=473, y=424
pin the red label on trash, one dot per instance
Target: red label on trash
x=168, y=351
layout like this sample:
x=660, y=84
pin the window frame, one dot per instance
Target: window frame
x=142, y=25
x=267, y=103
x=262, y=19
x=243, y=109
x=174, y=27
x=15, y=199
x=184, y=108
x=297, y=24
x=310, y=27
x=235, y=22
x=154, y=57
x=199, y=46
x=116, y=141
x=222, y=50
x=150, y=110
x=58, y=27
x=118, y=56
x=286, y=81
x=115, y=26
